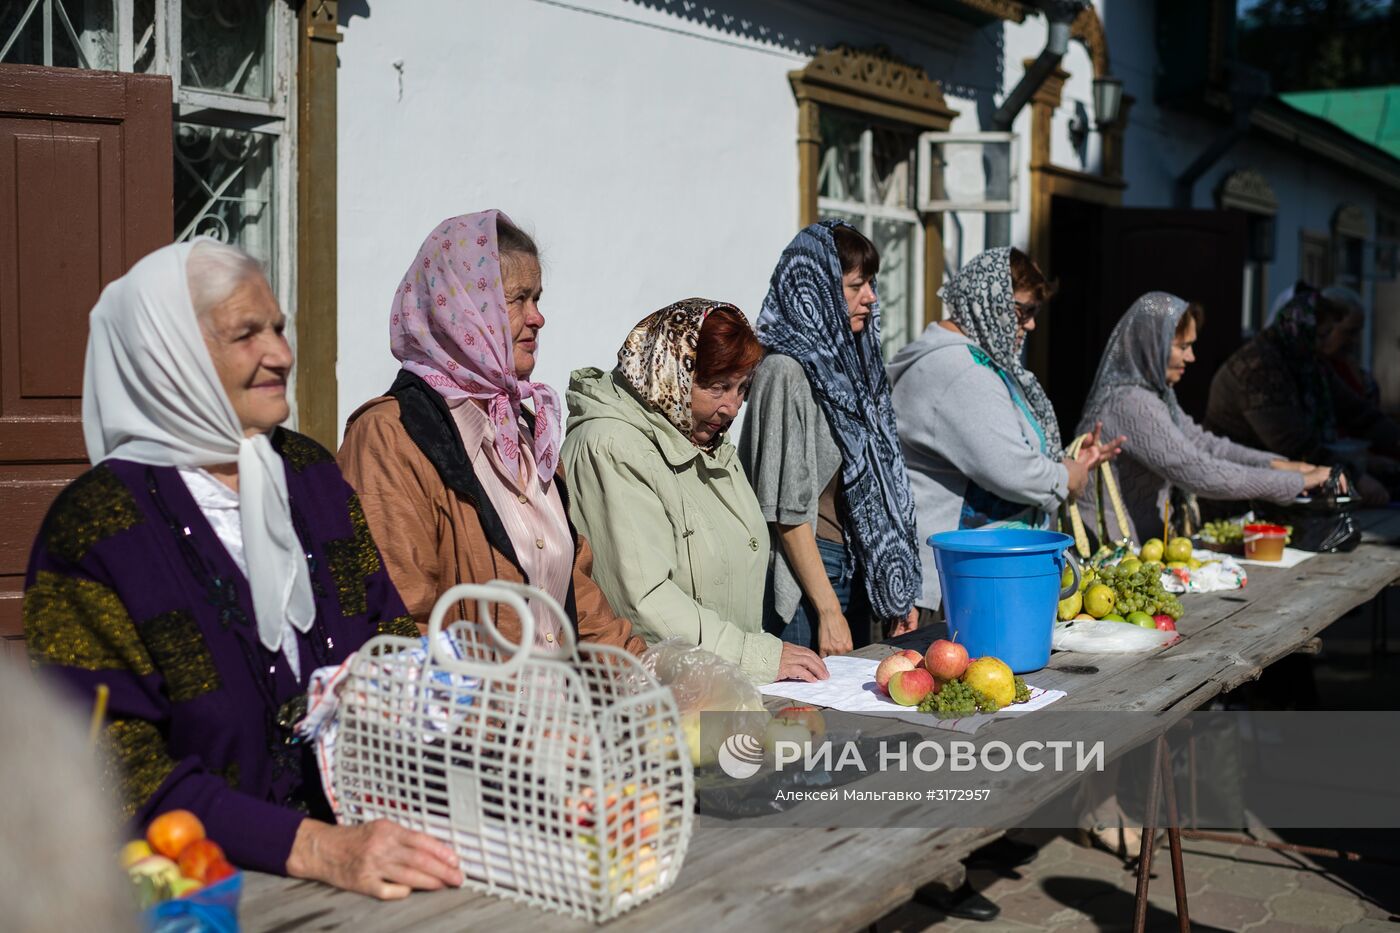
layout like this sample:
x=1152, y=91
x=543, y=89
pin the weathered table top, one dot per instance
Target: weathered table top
x=845, y=879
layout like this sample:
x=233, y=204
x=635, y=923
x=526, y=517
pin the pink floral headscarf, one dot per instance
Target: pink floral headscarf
x=449, y=326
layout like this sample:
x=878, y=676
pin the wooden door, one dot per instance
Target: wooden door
x=85, y=177
x=1105, y=258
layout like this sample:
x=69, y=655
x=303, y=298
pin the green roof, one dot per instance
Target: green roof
x=1369, y=113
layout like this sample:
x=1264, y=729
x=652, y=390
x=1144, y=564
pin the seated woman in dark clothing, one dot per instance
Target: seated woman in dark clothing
x=1276, y=393
x=205, y=566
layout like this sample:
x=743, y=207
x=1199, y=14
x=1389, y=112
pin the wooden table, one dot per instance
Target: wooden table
x=845, y=879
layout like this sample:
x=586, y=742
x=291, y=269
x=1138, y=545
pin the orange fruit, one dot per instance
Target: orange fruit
x=170, y=832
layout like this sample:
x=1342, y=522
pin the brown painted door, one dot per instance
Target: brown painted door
x=85, y=177
x=1105, y=258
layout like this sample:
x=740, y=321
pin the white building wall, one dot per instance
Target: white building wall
x=651, y=148
x=650, y=165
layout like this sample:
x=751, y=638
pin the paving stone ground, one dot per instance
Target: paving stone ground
x=1231, y=888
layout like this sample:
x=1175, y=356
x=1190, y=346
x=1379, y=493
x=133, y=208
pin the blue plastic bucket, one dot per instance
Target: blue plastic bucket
x=1001, y=588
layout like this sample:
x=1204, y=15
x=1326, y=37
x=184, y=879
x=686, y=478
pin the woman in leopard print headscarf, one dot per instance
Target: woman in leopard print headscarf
x=680, y=544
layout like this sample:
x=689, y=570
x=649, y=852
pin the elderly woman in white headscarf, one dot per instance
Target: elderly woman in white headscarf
x=203, y=568
x=1134, y=395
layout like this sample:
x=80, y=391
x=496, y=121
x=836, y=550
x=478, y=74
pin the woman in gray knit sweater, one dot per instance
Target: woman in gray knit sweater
x=1133, y=395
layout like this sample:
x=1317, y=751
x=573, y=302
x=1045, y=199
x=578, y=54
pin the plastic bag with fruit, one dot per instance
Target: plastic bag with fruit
x=703, y=682
x=181, y=879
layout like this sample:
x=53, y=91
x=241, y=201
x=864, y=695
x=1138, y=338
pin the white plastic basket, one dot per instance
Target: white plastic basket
x=562, y=780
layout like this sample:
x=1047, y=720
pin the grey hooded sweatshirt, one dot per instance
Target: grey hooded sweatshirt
x=975, y=453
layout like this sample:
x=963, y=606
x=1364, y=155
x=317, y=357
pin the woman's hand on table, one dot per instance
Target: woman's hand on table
x=1293, y=466
x=833, y=633
x=799, y=663
x=1316, y=476
x=381, y=859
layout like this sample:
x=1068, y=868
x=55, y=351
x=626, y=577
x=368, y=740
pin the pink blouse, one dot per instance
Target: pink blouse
x=530, y=509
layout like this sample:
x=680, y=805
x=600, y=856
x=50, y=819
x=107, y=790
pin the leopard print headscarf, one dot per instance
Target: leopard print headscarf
x=658, y=358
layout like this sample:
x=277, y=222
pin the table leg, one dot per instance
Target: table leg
x=1183, y=917
x=1149, y=832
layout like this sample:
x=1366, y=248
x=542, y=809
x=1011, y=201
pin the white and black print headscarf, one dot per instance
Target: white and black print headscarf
x=805, y=317
x=1137, y=354
x=980, y=301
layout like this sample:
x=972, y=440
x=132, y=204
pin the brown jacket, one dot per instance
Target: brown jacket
x=433, y=523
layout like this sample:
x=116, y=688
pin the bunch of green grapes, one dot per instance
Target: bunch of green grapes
x=1139, y=589
x=1222, y=532
x=956, y=699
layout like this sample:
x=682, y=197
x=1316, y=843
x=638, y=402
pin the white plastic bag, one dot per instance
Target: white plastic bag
x=1098, y=637
x=703, y=682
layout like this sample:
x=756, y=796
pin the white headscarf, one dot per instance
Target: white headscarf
x=151, y=395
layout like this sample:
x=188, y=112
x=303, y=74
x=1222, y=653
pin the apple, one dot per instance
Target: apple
x=184, y=886
x=888, y=668
x=133, y=852
x=158, y=868
x=218, y=872
x=913, y=655
x=785, y=730
x=198, y=857
x=946, y=660
x=809, y=716
x=908, y=688
x=1165, y=623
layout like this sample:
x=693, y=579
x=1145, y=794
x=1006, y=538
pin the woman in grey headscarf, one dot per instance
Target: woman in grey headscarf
x=975, y=426
x=1134, y=395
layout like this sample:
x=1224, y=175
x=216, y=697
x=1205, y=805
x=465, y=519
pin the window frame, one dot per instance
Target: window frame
x=874, y=87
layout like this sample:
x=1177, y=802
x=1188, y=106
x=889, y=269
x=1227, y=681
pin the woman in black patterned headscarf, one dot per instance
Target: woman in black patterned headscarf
x=822, y=453
x=976, y=428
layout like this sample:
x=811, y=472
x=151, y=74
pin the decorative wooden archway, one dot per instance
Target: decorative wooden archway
x=875, y=84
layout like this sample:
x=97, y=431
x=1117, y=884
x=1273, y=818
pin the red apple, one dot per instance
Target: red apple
x=1165, y=623
x=808, y=716
x=888, y=667
x=946, y=660
x=908, y=688
x=218, y=872
x=913, y=655
x=198, y=858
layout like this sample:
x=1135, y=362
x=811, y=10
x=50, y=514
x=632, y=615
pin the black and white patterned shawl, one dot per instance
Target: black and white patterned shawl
x=980, y=301
x=804, y=316
x=1137, y=354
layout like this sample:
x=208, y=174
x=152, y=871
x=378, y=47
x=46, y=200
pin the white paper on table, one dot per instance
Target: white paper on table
x=1292, y=557
x=851, y=689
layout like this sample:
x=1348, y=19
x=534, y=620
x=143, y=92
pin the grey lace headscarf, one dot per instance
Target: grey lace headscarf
x=980, y=301
x=1137, y=354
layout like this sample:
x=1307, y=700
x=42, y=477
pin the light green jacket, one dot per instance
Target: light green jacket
x=680, y=547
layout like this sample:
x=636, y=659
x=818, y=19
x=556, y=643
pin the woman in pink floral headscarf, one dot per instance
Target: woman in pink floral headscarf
x=457, y=464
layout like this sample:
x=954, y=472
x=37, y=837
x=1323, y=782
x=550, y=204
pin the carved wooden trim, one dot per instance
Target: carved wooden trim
x=1088, y=29
x=1247, y=190
x=873, y=82
x=1350, y=221
x=1009, y=10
